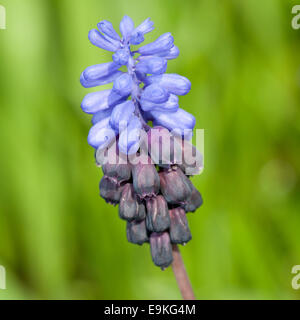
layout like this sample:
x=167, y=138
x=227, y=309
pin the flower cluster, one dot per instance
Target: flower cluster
x=154, y=93
x=153, y=197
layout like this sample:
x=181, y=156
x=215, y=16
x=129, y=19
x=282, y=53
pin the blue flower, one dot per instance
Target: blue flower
x=143, y=93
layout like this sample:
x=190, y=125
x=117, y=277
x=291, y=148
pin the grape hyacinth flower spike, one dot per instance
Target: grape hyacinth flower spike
x=154, y=193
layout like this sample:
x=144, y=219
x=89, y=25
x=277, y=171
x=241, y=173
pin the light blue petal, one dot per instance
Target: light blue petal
x=126, y=27
x=99, y=41
x=169, y=106
x=123, y=84
x=170, y=54
x=100, y=115
x=101, y=134
x=155, y=93
x=152, y=65
x=122, y=114
x=138, y=33
x=97, y=101
x=107, y=28
x=136, y=38
x=129, y=140
x=163, y=43
x=98, y=71
x=145, y=27
x=99, y=82
x=177, y=121
x=172, y=82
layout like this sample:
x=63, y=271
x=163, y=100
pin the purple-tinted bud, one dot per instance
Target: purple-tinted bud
x=101, y=134
x=107, y=28
x=122, y=114
x=171, y=105
x=145, y=180
x=175, y=186
x=121, y=57
x=118, y=172
x=128, y=208
x=158, y=219
x=126, y=27
x=194, y=201
x=179, y=229
x=129, y=140
x=101, y=81
x=155, y=94
x=161, y=249
x=98, y=101
x=136, y=232
x=152, y=65
x=180, y=122
x=163, y=43
x=123, y=84
x=110, y=191
x=172, y=82
x=98, y=40
x=100, y=115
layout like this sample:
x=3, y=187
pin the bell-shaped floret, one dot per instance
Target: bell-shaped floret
x=129, y=140
x=179, y=229
x=126, y=27
x=175, y=186
x=172, y=82
x=155, y=94
x=102, y=100
x=158, y=219
x=152, y=65
x=171, y=105
x=101, y=134
x=179, y=122
x=98, y=40
x=145, y=180
x=161, y=249
x=121, y=115
x=161, y=44
x=137, y=232
x=107, y=29
x=123, y=84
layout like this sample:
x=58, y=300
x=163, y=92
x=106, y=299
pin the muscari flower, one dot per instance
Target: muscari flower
x=152, y=199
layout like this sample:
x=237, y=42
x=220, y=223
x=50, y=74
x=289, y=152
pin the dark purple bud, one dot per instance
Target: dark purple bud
x=118, y=172
x=136, y=232
x=179, y=229
x=110, y=191
x=145, y=180
x=141, y=214
x=128, y=208
x=194, y=201
x=175, y=186
x=161, y=249
x=158, y=218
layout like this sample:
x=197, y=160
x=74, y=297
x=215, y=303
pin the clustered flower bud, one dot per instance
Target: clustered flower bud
x=154, y=201
x=153, y=195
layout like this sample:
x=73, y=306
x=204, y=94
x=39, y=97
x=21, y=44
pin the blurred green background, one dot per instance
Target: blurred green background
x=58, y=238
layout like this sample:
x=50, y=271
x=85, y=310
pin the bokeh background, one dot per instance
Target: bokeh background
x=58, y=238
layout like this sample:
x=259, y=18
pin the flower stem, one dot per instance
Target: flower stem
x=181, y=276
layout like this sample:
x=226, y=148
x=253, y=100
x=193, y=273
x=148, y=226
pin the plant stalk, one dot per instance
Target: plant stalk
x=181, y=276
